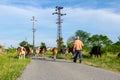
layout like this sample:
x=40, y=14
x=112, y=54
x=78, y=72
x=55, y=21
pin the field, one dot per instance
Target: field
x=11, y=67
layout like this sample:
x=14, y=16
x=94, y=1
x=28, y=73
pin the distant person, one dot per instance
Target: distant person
x=78, y=44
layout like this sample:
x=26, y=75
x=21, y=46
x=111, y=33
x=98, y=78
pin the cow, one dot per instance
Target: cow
x=49, y=49
x=2, y=49
x=28, y=50
x=41, y=50
x=55, y=51
x=96, y=50
x=70, y=50
x=21, y=52
x=37, y=50
x=64, y=51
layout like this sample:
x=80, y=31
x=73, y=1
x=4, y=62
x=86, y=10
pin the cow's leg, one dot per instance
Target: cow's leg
x=54, y=56
x=43, y=55
x=100, y=54
x=24, y=56
x=90, y=54
x=97, y=55
x=19, y=56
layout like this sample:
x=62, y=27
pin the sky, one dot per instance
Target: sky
x=92, y=16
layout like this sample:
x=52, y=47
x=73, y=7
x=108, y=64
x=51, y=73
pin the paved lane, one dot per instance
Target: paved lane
x=48, y=69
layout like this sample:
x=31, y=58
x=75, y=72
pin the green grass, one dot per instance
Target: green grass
x=11, y=67
x=107, y=61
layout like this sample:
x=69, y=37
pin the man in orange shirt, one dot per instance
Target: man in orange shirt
x=78, y=44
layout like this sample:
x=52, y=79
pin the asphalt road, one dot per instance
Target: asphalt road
x=49, y=69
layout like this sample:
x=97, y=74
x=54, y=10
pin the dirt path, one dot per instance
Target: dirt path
x=48, y=69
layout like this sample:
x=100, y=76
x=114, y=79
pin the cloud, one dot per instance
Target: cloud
x=94, y=21
x=93, y=18
x=16, y=22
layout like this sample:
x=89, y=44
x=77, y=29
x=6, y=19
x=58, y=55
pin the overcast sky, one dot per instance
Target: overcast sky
x=92, y=16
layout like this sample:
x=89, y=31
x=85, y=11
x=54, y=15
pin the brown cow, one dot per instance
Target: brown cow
x=55, y=51
x=21, y=52
x=28, y=51
x=37, y=51
x=41, y=50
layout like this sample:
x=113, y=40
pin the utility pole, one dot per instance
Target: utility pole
x=59, y=21
x=33, y=29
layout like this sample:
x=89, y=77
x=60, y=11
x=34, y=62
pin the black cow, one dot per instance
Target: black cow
x=96, y=50
x=64, y=51
x=70, y=50
x=27, y=50
x=43, y=50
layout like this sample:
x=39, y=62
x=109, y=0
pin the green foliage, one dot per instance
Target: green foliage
x=11, y=50
x=70, y=45
x=11, y=67
x=99, y=40
x=60, y=42
x=42, y=44
x=25, y=43
x=83, y=36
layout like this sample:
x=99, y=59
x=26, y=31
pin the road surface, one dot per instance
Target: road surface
x=49, y=69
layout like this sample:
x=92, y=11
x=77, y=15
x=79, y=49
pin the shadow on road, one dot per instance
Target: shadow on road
x=51, y=59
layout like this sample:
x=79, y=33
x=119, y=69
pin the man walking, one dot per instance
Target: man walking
x=78, y=44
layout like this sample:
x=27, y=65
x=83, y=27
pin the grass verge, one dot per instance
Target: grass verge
x=11, y=67
x=107, y=61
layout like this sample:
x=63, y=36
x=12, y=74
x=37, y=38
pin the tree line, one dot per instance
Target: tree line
x=88, y=40
x=95, y=40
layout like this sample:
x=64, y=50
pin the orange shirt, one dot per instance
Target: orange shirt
x=78, y=45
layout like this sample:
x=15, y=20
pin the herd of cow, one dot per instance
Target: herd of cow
x=27, y=51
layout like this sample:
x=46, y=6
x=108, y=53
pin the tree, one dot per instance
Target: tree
x=83, y=36
x=115, y=48
x=70, y=41
x=99, y=40
x=118, y=42
x=42, y=44
x=60, y=42
x=23, y=43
